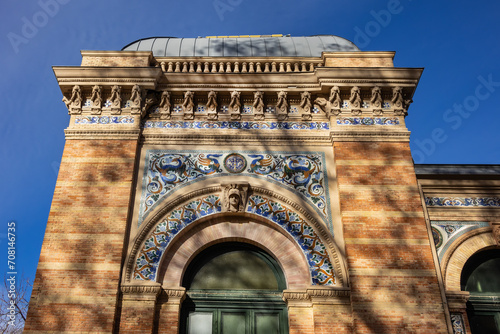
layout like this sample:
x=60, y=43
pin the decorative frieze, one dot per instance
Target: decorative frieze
x=304, y=173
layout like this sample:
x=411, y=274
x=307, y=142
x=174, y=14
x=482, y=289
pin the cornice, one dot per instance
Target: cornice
x=111, y=53
x=359, y=54
x=71, y=75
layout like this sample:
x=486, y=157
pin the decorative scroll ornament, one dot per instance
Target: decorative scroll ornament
x=282, y=106
x=96, y=99
x=305, y=104
x=188, y=105
x=136, y=98
x=235, y=105
x=116, y=100
x=235, y=197
x=165, y=105
x=258, y=105
x=212, y=105
x=74, y=104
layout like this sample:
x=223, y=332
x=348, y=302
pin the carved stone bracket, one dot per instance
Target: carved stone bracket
x=212, y=105
x=258, y=105
x=188, y=105
x=282, y=106
x=306, y=105
x=116, y=100
x=74, y=103
x=235, y=106
x=136, y=98
x=96, y=99
x=165, y=105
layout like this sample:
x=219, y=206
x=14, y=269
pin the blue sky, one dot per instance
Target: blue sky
x=454, y=118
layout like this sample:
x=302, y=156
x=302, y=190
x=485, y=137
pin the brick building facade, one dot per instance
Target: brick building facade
x=290, y=150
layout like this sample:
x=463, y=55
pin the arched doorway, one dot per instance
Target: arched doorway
x=234, y=287
x=480, y=276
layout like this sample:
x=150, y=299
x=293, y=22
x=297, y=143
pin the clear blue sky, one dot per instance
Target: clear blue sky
x=455, y=41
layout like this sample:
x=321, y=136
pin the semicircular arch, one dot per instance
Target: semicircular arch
x=265, y=206
x=462, y=249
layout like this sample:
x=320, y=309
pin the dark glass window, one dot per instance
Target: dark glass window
x=234, y=288
x=481, y=277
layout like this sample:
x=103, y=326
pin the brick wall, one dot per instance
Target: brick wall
x=394, y=287
x=77, y=279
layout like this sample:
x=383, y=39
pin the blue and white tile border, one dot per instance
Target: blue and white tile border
x=367, y=121
x=80, y=120
x=236, y=125
x=462, y=201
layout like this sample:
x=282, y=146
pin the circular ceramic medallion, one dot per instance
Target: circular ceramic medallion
x=438, y=238
x=235, y=163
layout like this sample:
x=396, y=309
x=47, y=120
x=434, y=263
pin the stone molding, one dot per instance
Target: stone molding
x=399, y=136
x=457, y=299
x=112, y=134
x=175, y=295
x=317, y=295
x=143, y=292
x=294, y=138
x=297, y=298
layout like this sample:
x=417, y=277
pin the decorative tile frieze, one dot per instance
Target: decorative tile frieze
x=149, y=257
x=301, y=172
x=236, y=125
x=463, y=201
x=104, y=120
x=367, y=121
x=445, y=233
